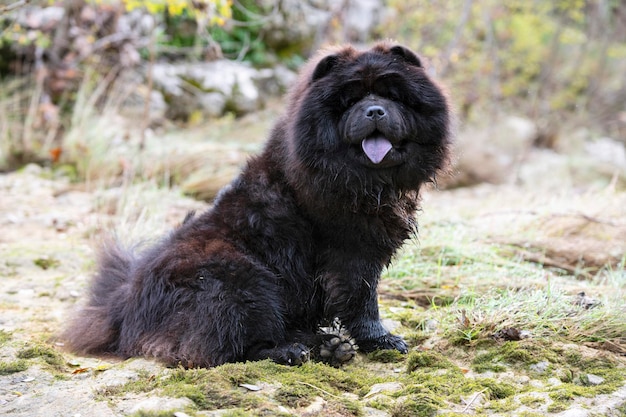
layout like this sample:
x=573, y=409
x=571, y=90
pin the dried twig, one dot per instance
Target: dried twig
x=145, y=120
x=474, y=398
x=319, y=389
x=547, y=261
x=453, y=44
x=11, y=7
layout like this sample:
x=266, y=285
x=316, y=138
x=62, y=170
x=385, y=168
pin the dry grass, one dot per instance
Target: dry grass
x=482, y=265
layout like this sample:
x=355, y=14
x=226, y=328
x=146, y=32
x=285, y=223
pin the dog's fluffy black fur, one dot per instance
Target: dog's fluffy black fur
x=298, y=239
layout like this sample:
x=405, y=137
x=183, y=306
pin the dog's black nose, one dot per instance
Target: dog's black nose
x=375, y=112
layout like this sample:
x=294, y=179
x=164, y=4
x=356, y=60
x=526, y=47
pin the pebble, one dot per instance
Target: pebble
x=594, y=379
x=387, y=387
x=161, y=403
x=574, y=412
x=554, y=381
x=316, y=407
x=540, y=367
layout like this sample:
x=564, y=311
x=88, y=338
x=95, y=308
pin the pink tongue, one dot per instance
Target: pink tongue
x=376, y=148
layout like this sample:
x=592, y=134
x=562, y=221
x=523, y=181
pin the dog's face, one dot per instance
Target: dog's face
x=374, y=113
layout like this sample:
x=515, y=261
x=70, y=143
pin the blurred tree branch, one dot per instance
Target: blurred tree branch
x=454, y=43
x=10, y=7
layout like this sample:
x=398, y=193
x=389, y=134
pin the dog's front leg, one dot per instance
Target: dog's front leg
x=351, y=295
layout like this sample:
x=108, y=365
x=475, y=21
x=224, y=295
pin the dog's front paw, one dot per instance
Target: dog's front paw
x=292, y=354
x=388, y=341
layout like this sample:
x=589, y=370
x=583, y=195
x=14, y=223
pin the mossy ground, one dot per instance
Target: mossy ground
x=489, y=332
x=429, y=382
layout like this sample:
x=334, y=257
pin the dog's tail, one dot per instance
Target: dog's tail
x=95, y=327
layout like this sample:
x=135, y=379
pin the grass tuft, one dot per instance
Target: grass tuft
x=11, y=367
x=48, y=354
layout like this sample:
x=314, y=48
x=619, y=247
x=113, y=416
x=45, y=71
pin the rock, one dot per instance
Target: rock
x=505, y=153
x=520, y=133
x=431, y=325
x=491, y=154
x=574, y=412
x=386, y=387
x=607, y=150
x=277, y=80
x=138, y=22
x=373, y=412
x=362, y=17
x=298, y=23
x=116, y=377
x=391, y=324
x=554, y=382
x=540, y=367
x=217, y=87
x=294, y=22
x=160, y=404
x=474, y=400
x=591, y=379
x=316, y=407
x=40, y=18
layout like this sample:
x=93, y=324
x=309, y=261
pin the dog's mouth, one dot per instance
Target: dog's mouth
x=379, y=150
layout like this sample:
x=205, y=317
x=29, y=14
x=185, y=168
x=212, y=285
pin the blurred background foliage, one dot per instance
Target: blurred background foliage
x=560, y=64
x=550, y=61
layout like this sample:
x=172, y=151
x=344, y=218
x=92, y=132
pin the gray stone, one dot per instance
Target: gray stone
x=161, y=403
x=574, y=412
x=540, y=367
x=305, y=23
x=592, y=379
x=217, y=87
x=384, y=387
x=361, y=17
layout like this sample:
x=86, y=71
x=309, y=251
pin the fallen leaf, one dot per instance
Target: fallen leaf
x=250, y=387
x=55, y=154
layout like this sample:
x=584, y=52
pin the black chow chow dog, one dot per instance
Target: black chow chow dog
x=298, y=239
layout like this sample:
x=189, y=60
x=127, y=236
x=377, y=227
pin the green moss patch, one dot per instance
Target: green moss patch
x=417, y=405
x=428, y=360
x=11, y=367
x=48, y=354
x=5, y=337
x=386, y=356
x=519, y=354
x=47, y=263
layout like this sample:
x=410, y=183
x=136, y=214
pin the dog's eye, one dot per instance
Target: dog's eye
x=350, y=101
x=393, y=94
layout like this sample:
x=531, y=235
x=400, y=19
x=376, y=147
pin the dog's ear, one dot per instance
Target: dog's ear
x=406, y=54
x=323, y=67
